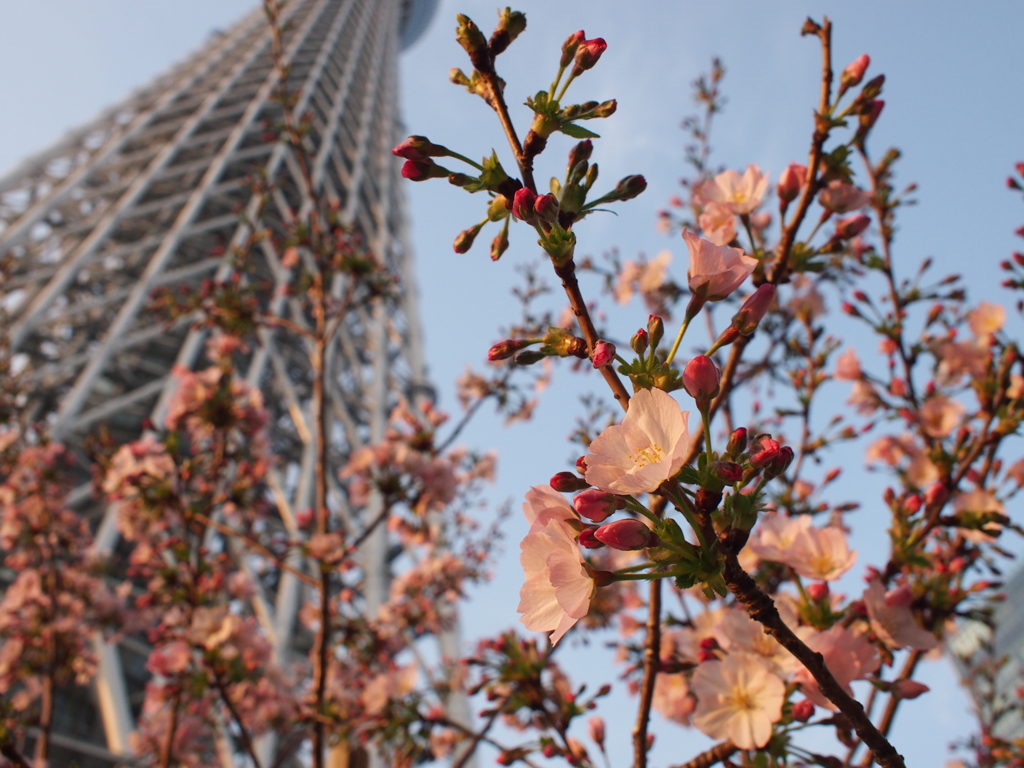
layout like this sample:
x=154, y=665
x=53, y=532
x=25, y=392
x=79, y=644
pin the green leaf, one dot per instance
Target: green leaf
x=578, y=131
x=689, y=476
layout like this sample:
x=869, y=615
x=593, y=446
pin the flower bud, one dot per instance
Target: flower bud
x=912, y=503
x=595, y=505
x=817, y=591
x=596, y=728
x=587, y=55
x=529, y=357
x=421, y=170
x=605, y=108
x=510, y=25
x=780, y=463
x=869, y=116
x=639, y=342
x=464, y=240
x=628, y=188
x=753, y=309
x=546, y=208
x=655, y=330
x=872, y=88
x=791, y=181
x=587, y=540
x=803, y=710
x=854, y=71
x=579, y=153
x=764, y=450
x=499, y=244
x=419, y=148
x=936, y=494
x=505, y=349
x=701, y=378
x=581, y=465
x=851, y=226
x=604, y=353
x=523, y=205
x=627, y=535
x=473, y=41
x=737, y=442
x=728, y=471
x=569, y=48
x=568, y=482
x=908, y=689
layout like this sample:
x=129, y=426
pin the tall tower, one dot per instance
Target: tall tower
x=152, y=194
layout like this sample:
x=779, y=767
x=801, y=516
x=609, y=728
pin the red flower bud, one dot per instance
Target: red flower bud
x=596, y=727
x=595, y=505
x=639, y=341
x=817, y=591
x=587, y=540
x=791, y=181
x=523, y=205
x=628, y=188
x=764, y=450
x=780, y=463
x=581, y=465
x=419, y=148
x=869, y=117
x=568, y=482
x=912, y=504
x=852, y=226
x=803, y=710
x=546, y=207
x=737, y=442
x=421, y=170
x=505, y=349
x=549, y=751
x=587, y=55
x=908, y=689
x=753, y=309
x=854, y=71
x=701, y=378
x=570, y=46
x=936, y=494
x=604, y=353
x=728, y=471
x=626, y=535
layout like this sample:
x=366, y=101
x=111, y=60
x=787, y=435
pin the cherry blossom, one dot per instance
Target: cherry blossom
x=739, y=194
x=716, y=270
x=939, y=416
x=718, y=223
x=893, y=621
x=645, y=450
x=848, y=654
x=979, y=502
x=738, y=698
x=840, y=197
x=986, y=319
x=847, y=367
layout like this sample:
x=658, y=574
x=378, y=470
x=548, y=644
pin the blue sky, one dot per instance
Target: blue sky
x=954, y=105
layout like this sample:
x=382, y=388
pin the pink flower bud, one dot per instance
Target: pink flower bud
x=570, y=46
x=854, y=71
x=546, y=207
x=419, y=148
x=912, y=504
x=753, y=309
x=780, y=463
x=817, y=591
x=908, y=689
x=523, y=203
x=587, y=540
x=791, y=181
x=568, y=482
x=737, y=442
x=626, y=535
x=421, y=170
x=764, y=450
x=581, y=465
x=728, y=471
x=604, y=353
x=595, y=505
x=936, y=494
x=505, y=349
x=701, y=378
x=803, y=710
x=851, y=226
x=596, y=727
x=587, y=55
x=639, y=342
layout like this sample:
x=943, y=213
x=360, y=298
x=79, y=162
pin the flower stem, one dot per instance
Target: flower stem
x=465, y=159
x=678, y=341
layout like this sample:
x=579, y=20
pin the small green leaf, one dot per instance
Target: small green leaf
x=578, y=131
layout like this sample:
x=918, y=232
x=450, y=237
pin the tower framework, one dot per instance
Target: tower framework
x=152, y=194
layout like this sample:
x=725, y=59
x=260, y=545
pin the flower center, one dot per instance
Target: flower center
x=742, y=701
x=650, y=454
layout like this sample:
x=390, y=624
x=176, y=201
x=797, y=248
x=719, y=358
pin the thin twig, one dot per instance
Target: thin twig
x=716, y=754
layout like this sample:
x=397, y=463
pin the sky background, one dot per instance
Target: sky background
x=954, y=105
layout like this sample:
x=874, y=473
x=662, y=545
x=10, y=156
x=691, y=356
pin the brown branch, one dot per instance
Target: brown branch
x=762, y=609
x=247, y=744
x=652, y=660
x=811, y=182
x=167, y=747
x=497, y=102
x=716, y=754
x=469, y=749
x=909, y=667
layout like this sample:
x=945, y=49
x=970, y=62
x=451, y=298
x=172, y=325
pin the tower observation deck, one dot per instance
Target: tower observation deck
x=152, y=194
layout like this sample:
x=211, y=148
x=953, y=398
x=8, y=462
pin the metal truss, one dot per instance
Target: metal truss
x=152, y=194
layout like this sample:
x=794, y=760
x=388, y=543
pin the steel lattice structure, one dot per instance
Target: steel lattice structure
x=152, y=193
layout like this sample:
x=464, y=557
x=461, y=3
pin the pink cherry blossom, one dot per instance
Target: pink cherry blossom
x=893, y=621
x=848, y=654
x=740, y=194
x=864, y=398
x=672, y=698
x=558, y=586
x=738, y=698
x=643, y=277
x=645, y=450
x=847, y=366
x=959, y=357
x=814, y=553
x=979, y=502
x=986, y=319
x=840, y=197
x=939, y=416
x=718, y=223
x=716, y=270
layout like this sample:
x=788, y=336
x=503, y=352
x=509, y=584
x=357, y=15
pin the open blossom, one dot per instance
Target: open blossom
x=738, y=698
x=558, y=584
x=840, y=197
x=718, y=223
x=643, y=277
x=979, y=502
x=672, y=698
x=893, y=621
x=814, y=553
x=863, y=397
x=739, y=632
x=739, y=194
x=940, y=416
x=959, y=357
x=645, y=450
x=716, y=270
x=848, y=654
x=986, y=319
x=847, y=366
